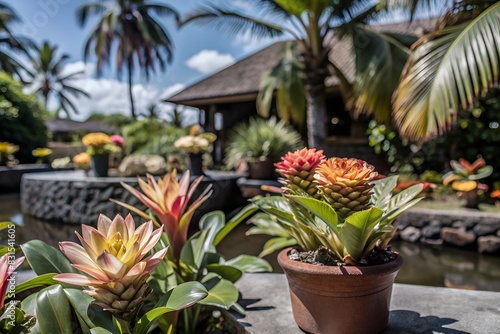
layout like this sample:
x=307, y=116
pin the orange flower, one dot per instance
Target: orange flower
x=345, y=184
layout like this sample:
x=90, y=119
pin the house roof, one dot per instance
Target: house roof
x=241, y=81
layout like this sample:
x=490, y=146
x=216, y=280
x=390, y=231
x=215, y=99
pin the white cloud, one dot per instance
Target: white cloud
x=110, y=96
x=207, y=61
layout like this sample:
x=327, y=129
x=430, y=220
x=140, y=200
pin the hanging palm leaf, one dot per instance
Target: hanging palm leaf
x=380, y=59
x=287, y=79
x=448, y=69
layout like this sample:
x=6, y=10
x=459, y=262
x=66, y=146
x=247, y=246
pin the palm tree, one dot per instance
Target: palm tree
x=128, y=28
x=316, y=25
x=47, y=77
x=9, y=41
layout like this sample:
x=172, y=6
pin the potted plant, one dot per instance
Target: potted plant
x=7, y=151
x=463, y=177
x=99, y=146
x=260, y=143
x=338, y=214
x=195, y=144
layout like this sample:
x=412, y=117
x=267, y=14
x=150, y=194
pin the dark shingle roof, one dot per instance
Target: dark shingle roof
x=243, y=77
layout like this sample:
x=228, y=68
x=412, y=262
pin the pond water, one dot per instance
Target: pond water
x=423, y=264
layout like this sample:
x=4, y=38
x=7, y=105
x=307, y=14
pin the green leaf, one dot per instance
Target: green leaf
x=53, y=311
x=180, y=297
x=275, y=244
x=4, y=225
x=221, y=293
x=243, y=214
x=320, y=209
x=88, y=314
x=445, y=72
x=399, y=201
x=100, y=330
x=482, y=173
x=249, y=264
x=357, y=229
x=45, y=259
x=35, y=282
x=377, y=71
x=28, y=305
x=231, y=273
x=264, y=224
x=382, y=191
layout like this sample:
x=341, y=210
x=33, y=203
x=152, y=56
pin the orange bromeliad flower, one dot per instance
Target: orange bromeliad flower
x=345, y=184
x=168, y=199
x=297, y=170
x=113, y=258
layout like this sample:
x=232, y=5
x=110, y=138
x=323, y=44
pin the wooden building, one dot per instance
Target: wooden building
x=228, y=96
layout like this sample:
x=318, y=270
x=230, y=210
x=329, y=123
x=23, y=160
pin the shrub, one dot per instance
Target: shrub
x=21, y=119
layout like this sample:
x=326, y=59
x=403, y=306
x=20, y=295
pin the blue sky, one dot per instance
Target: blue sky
x=198, y=52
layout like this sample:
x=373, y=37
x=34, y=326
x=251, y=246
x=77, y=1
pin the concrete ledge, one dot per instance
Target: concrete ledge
x=414, y=309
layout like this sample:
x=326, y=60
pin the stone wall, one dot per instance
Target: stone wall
x=469, y=229
x=73, y=198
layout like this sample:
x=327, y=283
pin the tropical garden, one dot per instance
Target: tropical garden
x=431, y=103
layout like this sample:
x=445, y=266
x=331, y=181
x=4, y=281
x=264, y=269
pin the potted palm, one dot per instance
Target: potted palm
x=338, y=214
x=260, y=143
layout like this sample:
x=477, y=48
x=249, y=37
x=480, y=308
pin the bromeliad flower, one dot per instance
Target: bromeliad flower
x=7, y=267
x=297, y=171
x=113, y=258
x=464, y=175
x=345, y=184
x=168, y=199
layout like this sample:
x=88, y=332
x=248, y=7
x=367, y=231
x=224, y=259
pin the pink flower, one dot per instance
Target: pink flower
x=117, y=140
x=7, y=266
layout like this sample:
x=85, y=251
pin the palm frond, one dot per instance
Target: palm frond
x=446, y=71
x=161, y=10
x=232, y=22
x=287, y=79
x=84, y=11
x=380, y=59
x=271, y=7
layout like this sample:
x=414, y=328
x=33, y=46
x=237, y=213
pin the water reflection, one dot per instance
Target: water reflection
x=445, y=266
x=424, y=264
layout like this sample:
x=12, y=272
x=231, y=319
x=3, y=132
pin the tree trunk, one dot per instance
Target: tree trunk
x=316, y=118
x=131, y=95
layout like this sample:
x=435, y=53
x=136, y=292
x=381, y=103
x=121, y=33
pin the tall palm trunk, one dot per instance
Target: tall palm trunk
x=315, y=74
x=316, y=118
x=131, y=95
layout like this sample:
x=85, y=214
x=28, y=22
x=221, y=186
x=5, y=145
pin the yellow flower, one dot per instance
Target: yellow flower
x=96, y=139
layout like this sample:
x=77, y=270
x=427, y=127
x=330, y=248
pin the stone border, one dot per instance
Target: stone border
x=464, y=228
x=74, y=198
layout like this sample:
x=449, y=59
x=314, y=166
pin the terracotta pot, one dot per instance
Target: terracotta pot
x=340, y=300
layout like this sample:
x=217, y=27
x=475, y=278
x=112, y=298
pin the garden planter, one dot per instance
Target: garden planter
x=261, y=169
x=100, y=165
x=340, y=300
x=196, y=164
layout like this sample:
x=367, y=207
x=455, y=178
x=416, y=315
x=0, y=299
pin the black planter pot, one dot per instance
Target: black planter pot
x=196, y=164
x=100, y=165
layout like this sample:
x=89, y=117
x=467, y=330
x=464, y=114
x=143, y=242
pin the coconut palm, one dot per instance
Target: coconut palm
x=8, y=41
x=449, y=69
x=47, y=77
x=316, y=25
x=127, y=28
